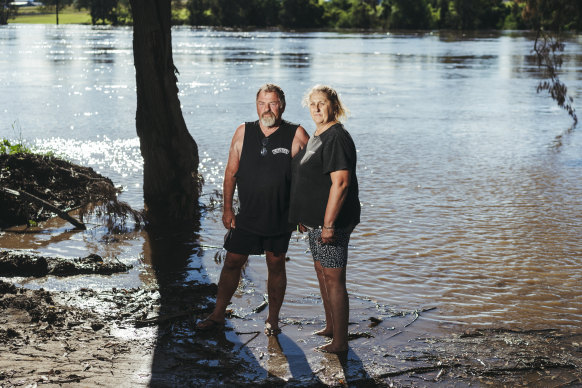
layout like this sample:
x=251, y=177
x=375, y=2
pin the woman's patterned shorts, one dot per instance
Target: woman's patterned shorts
x=333, y=255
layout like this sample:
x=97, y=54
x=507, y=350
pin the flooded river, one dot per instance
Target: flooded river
x=470, y=182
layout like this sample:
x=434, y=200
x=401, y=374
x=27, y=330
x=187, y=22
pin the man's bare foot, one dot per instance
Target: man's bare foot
x=325, y=332
x=210, y=324
x=332, y=348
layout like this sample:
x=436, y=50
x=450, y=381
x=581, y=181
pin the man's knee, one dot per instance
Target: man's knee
x=275, y=262
x=234, y=261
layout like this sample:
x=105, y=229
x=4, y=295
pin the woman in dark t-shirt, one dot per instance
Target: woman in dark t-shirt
x=324, y=202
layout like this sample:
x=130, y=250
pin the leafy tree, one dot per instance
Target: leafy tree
x=101, y=11
x=467, y=13
x=514, y=20
x=200, y=13
x=384, y=14
x=351, y=14
x=264, y=13
x=554, y=15
x=234, y=13
x=301, y=13
x=410, y=14
x=335, y=14
x=60, y=4
x=492, y=14
x=470, y=14
x=56, y=5
x=363, y=14
x=443, y=7
x=343, y=5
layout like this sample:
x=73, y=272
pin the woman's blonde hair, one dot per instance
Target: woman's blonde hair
x=339, y=110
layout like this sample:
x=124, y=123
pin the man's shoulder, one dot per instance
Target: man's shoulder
x=289, y=124
x=289, y=128
x=251, y=123
x=242, y=128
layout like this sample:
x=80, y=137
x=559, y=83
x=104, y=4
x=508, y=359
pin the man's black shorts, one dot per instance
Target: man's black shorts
x=247, y=243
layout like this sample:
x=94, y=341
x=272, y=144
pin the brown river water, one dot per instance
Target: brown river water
x=471, y=184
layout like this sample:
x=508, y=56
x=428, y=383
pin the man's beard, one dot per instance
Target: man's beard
x=268, y=119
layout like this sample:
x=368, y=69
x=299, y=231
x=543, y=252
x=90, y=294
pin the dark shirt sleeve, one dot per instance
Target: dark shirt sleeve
x=338, y=154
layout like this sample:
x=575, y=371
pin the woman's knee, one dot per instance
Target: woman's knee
x=335, y=276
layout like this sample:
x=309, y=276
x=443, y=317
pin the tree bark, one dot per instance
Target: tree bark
x=4, y=12
x=170, y=154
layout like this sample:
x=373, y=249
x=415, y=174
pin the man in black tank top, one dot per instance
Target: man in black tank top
x=259, y=166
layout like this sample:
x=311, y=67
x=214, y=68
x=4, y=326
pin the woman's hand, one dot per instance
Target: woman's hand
x=327, y=235
x=301, y=228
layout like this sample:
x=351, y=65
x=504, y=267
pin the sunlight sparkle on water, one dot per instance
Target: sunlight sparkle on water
x=120, y=155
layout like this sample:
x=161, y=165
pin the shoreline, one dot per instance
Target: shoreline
x=146, y=336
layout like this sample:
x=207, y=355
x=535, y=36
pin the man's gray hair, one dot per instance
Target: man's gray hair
x=272, y=88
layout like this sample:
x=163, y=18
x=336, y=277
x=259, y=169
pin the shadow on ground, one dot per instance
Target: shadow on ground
x=182, y=357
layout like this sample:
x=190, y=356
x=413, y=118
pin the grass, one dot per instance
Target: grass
x=7, y=148
x=42, y=15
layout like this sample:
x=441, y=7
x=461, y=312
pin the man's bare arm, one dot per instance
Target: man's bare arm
x=232, y=165
x=299, y=141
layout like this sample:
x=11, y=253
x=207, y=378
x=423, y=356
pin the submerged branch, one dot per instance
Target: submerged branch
x=548, y=51
x=64, y=215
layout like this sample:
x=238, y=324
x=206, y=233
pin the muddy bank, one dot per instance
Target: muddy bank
x=25, y=264
x=35, y=188
x=147, y=337
x=63, y=184
x=105, y=338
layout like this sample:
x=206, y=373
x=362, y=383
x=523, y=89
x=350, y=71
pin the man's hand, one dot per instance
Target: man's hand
x=230, y=176
x=228, y=219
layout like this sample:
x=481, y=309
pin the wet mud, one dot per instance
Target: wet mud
x=25, y=264
x=65, y=185
x=35, y=188
x=148, y=337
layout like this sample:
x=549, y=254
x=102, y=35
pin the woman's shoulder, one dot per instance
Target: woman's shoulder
x=338, y=132
x=334, y=131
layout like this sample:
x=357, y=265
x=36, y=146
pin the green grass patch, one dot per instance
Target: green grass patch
x=8, y=148
x=42, y=15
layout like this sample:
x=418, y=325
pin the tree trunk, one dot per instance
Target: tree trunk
x=4, y=12
x=170, y=154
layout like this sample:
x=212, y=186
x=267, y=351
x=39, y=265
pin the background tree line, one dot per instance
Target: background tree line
x=379, y=14
x=350, y=14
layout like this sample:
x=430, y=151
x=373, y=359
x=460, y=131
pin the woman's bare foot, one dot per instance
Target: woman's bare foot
x=271, y=331
x=325, y=332
x=332, y=348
